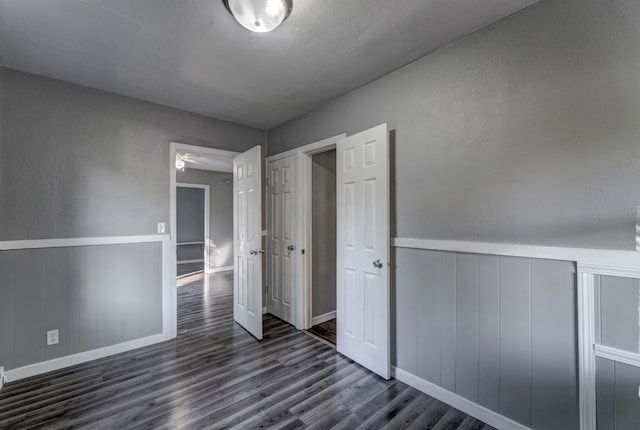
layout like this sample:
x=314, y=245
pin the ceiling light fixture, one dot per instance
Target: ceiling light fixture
x=259, y=16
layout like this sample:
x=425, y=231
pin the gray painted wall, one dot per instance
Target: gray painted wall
x=524, y=132
x=499, y=331
x=189, y=222
x=78, y=162
x=96, y=296
x=220, y=212
x=323, y=177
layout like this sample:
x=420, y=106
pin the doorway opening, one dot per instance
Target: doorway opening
x=192, y=234
x=201, y=217
x=323, y=246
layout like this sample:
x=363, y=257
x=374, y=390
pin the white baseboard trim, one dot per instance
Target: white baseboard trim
x=2, y=377
x=467, y=406
x=323, y=318
x=82, y=357
x=190, y=261
x=264, y=311
x=221, y=269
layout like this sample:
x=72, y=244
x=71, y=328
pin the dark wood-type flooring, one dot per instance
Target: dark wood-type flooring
x=188, y=268
x=325, y=330
x=215, y=375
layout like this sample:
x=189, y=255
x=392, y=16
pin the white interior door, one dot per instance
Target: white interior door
x=363, y=313
x=281, y=232
x=247, y=241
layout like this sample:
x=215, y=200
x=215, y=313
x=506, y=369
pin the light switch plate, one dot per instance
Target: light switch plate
x=53, y=337
x=162, y=228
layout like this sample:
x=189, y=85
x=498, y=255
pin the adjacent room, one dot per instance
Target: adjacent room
x=289, y=214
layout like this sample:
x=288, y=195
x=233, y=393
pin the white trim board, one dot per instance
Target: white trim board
x=222, y=269
x=323, y=318
x=190, y=261
x=9, y=245
x=617, y=355
x=609, y=270
x=586, y=257
x=467, y=406
x=2, y=377
x=586, y=354
x=82, y=357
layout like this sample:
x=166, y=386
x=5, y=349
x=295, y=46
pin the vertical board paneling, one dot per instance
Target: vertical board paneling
x=467, y=326
x=29, y=338
x=108, y=299
x=429, y=302
x=619, y=299
x=56, y=299
x=94, y=296
x=489, y=331
x=406, y=284
x=448, y=323
x=132, y=296
x=554, y=404
x=605, y=394
x=88, y=324
x=6, y=309
x=515, y=339
x=627, y=402
x=74, y=288
x=148, y=289
x=156, y=286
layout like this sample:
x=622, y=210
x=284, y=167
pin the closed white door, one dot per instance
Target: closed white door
x=247, y=241
x=281, y=234
x=363, y=313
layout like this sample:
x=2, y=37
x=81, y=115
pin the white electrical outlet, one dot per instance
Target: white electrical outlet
x=52, y=337
x=162, y=228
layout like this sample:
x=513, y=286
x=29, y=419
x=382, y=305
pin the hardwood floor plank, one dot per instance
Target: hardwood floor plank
x=215, y=375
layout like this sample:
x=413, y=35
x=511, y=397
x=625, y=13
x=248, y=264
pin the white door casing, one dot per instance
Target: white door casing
x=363, y=292
x=247, y=241
x=281, y=238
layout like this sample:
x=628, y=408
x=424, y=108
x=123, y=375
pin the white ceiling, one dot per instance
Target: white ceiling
x=192, y=55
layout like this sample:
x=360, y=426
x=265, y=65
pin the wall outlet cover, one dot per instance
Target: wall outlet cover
x=53, y=337
x=162, y=228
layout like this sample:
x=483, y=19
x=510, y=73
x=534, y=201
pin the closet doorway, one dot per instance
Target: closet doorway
x=323, y=245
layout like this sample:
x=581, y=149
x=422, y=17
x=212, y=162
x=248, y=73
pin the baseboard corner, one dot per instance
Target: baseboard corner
x=475, y=410
x=323, y=318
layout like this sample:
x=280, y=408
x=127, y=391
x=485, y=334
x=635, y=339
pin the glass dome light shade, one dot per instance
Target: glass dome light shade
x=259, y=16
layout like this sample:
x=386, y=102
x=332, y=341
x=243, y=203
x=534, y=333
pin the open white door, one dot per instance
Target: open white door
x=363, y=313
x=281, y=238
x=247, y=241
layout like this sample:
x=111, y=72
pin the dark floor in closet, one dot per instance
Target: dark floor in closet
x=325, y=330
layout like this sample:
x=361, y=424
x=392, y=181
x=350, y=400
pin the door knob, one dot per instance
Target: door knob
x=378, y=264
x=290, y=248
